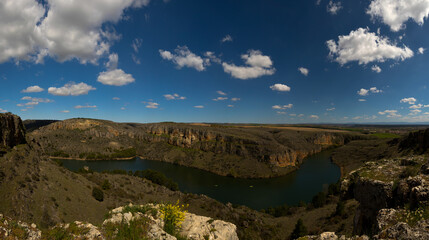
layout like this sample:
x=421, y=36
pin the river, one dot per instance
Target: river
x=313, y=176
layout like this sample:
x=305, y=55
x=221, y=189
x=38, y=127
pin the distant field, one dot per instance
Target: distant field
x=386, y=135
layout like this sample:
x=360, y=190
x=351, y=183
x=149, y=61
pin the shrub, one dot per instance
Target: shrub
x=340, y=209
x=299, y=231
x=319, y=200
x=158, y=178
x=173, y=216
x=98, y=194
x=334, y=188
x=106, y=185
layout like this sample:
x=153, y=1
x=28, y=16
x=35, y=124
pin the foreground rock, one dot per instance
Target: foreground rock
x=11, y=229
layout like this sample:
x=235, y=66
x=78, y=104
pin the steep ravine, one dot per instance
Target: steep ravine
x=234, y=151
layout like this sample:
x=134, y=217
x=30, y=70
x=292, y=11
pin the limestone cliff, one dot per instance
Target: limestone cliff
x=12, y=131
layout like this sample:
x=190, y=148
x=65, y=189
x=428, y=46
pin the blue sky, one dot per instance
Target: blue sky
x=266, y=61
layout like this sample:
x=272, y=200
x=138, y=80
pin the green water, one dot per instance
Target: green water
x=314, y=175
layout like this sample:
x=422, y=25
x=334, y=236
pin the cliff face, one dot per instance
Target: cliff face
x=12, y=131
x=416, y=141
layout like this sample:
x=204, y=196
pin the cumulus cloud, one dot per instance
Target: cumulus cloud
x=280, y=87
x=395, y=13
x=304, y=71
x=227, y=38
x=33, y=89
x=333, y=7
x=152, y=105
x=376, y=69
x=315, y=117
x=390, y=113
x=115, y=77
x=375, y=90
x=199, y=106
x=257, y=65
x=415, y=111
x=85, y=106
x=220, y=99
x=421, y=50
x=64, y=30
x=282, y=107
x=174, y=96
x=365, y=47
x=71, y=89
x=221, y=93
x=211, y=57
x=33, y=99
x=235, y=99
x=409, y=100
x=183, y=57
x=363, y=92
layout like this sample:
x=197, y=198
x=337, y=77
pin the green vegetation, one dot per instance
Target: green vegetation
x=319, y=200
x=158, y=178
x=340, y=209
x=61, y=233
x=98, y=194
x=60, y=154
x=126, y=153
x=173, y=216
x=135, y=230
x=299, y=231
x=106, y=185
x=412, y=217
x=385, y=135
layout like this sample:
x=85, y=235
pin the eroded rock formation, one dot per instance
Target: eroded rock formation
x=12, y=131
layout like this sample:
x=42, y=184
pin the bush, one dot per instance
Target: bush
x=340, y=209
x=158, y=178
x=106, y=185
x=319, y=200
x=98, y=194
x=299, y=231
x=334, y=188
x=173, y=216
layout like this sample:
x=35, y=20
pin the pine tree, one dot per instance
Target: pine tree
x=299, y=231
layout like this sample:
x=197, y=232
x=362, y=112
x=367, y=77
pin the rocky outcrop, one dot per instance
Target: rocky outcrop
x=12, y=131
x=332, y=236
x=416, y=141
x=391, y=183
x=11, y=229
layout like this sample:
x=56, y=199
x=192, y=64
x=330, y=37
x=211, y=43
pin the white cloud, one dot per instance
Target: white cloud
x=410, y=100
x=137, y=43
x=63, y=30
x=220, y=99
x=292, y=115
x=375, y=90
x=211, y=57
x=365, y=47
x=362, y=100
x=33, y=89
x=65, y=111
x=390, y=113
x=152, y=105
x=115, y=77
x=330, y=109
x=116, y=98
x=426, y=106
x=376, y=69
x=227, y=38
x=304, y=71
x=257, y=65
x=221, y=93
x=113, y=61
x=281, y=113
x=280, y=87
x=421, y=50
x=415, y=111
x=123, y=108
x=231, y=106
x=396, y=12
x=32, y=99
x=235, y=99
x=174, y=96
x=282, y=107
x=31, y=103
x=71, y=89
x=363, y=92
x=333, y=7
x=2, y=110
x=85, y=106
x=416, y=106
x=183, y=57
x=199, y=106
x=315, y=117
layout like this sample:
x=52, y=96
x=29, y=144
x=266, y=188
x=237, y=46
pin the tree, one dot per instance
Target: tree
x=299, y=231
x=339, y=211
x=98, y=194
x=319, y=200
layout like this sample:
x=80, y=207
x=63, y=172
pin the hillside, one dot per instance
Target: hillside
x=225, y=150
